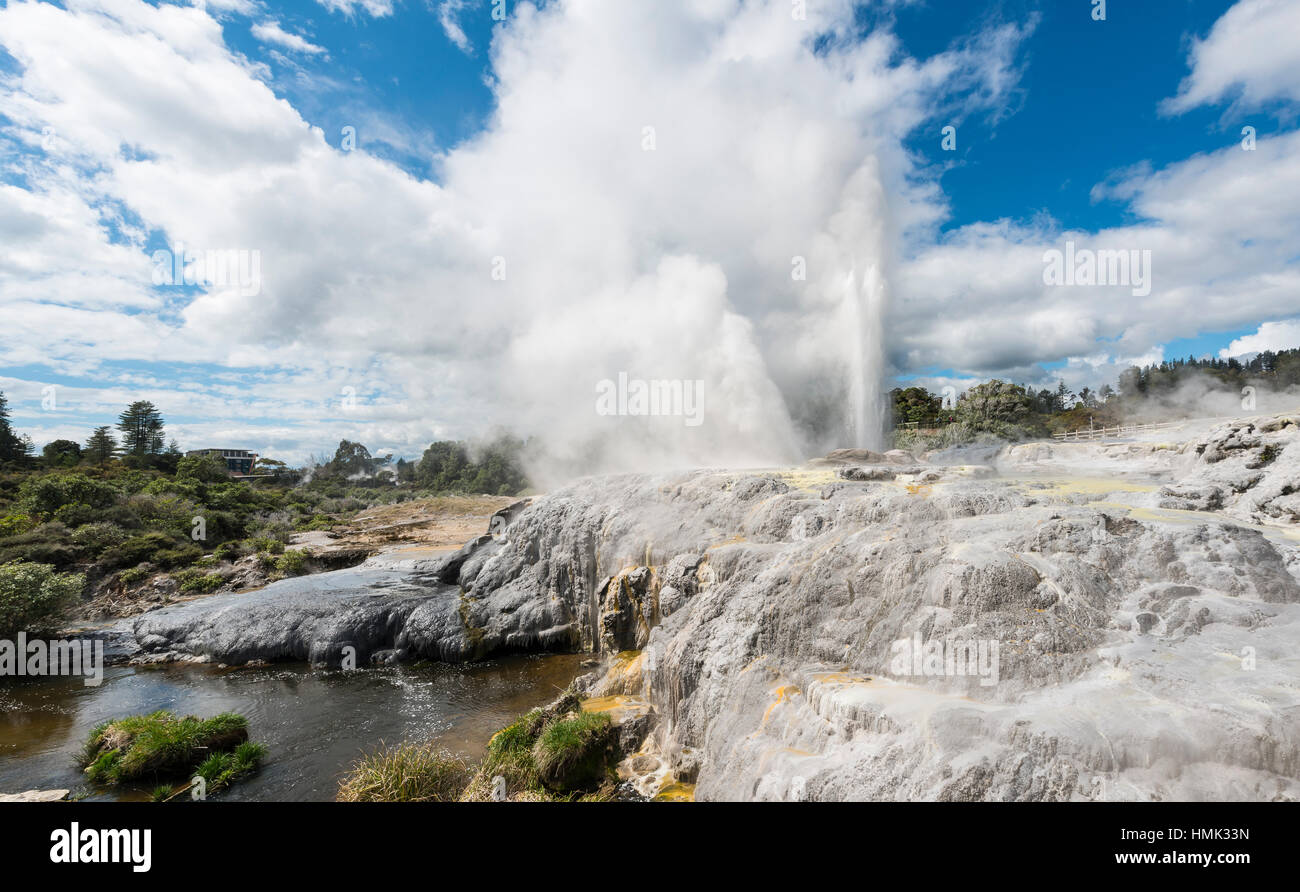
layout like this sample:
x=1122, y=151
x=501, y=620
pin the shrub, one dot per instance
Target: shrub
x=180, y=556
x=270, y=546
x=132, y=576
x=46, y=494
x=165, y=513
x=292, y=562
x=409, y=772
x=198, y=582
x=95, y=538
x=49, y=543
x=202, y=469
x=14, y=524
x=31, y=594
x=155, y=548
x=231, y=551
x=75, y=514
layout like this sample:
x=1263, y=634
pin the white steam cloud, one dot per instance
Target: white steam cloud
x=703, y=190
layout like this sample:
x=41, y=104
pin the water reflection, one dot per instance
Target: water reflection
x=315, y=723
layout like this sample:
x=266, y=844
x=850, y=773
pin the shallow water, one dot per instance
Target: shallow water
x=315, y=722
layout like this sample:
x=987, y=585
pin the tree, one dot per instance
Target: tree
x=12, y=446
x=999, y=408
x=202, y=469
x=915, y=404
x=62, y=453
x=446, y=466
x=101, y=446
x=142, y=429
x=352, y=460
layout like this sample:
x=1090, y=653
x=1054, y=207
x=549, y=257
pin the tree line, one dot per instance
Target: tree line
x=1015, y=411
x=141, y=443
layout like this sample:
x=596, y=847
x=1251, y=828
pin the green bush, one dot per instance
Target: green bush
x=132, y=576
x=95, y=538
x=46, y=494
x=32, y=594
x=15, y=524
x=49, y=543
x=232, y=551
x=202, y=469
x=292, y=562
x=75, y=514
x=197, y=582
x=155, y=548
x=268, y=545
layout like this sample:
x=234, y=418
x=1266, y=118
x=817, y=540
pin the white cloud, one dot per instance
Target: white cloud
x=448, y=16
x=661, y=263
x=374, y=8
x=242, y=7
x=271, y=32
x=1249, y=55
x=673, y=262
x=1284, y=335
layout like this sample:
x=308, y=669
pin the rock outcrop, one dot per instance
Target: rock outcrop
x=929, y=633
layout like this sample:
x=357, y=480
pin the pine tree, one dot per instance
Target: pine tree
x=101, y=446
x=12, y=446
x=142, y=429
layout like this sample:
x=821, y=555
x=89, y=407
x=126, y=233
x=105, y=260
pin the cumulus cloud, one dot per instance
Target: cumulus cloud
x=1249, y=55
x=1284, y=335
x=702, y=190
x=655, y=236
x=1220, y=229
x=271, y=32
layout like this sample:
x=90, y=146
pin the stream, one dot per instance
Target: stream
x=316, y=722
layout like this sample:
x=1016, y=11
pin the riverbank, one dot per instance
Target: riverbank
x=315, y=724
x=424, y=527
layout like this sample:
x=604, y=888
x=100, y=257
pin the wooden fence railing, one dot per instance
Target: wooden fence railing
x=1102, y=432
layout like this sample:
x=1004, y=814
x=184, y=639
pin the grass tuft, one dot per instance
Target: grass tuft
x=160, y=744
x=409, y=772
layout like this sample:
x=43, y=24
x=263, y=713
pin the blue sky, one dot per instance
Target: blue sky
x=523, y=139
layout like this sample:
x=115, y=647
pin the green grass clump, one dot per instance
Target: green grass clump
x=221, y=769
x=409, y=772
x=160, y=744
x=574, y=753
x=577, y=750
